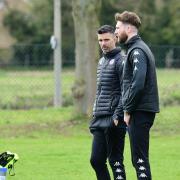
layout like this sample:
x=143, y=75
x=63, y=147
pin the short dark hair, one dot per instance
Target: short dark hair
x=129, y=17
x=106, y=29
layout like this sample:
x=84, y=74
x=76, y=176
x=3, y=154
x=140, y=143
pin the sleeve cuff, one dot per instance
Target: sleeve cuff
x=116, y=117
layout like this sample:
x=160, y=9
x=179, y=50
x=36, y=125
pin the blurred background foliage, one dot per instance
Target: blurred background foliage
x=160, y=21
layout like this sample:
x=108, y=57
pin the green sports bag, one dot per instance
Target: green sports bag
x=8, y=159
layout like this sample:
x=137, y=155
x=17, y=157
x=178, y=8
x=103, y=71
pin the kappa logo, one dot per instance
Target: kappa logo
x=118, y=170
x=117, y=164
x=136, y=52
x=142, y=168
x=119, y=177
x=135, y=69
x=143, y=175
x=140, y=161
x=111, y=61
x=136, y=60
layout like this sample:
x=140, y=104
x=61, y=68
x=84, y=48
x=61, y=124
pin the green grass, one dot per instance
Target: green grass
x=32, y=88
x=35, y=115
x=24, y=89
x=55, y=143
x=169, y=86
x=35, y=122
x=167, y=121
x=18, y=123
x=64, y=158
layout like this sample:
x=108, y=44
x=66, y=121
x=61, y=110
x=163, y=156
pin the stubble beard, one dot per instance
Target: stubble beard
x=123, y=38
x=105, y=49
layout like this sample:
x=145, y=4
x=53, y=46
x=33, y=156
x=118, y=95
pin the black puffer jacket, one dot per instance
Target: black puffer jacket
x=108, y=101
x=140, y=90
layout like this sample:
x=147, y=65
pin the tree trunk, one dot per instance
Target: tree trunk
x=85, y=16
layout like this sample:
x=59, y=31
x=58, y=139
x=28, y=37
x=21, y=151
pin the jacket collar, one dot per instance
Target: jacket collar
x=132, y=41
x=111, y=54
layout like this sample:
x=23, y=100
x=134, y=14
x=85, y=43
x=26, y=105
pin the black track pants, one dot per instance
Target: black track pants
x=108, y=143
x=139, y=130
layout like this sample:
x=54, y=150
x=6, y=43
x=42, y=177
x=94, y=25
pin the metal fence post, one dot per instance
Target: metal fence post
x=57, y=54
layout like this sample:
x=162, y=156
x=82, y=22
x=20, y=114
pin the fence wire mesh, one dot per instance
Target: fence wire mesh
x=27, y=77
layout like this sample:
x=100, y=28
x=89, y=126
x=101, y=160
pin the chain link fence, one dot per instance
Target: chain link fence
x=167, y=56
x=37, y=55
x=27, y=77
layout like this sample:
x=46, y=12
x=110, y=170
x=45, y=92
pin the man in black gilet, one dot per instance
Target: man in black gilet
x=140, y=93
x=107, y=126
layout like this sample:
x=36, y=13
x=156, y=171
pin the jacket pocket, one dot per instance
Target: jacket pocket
x=110, y=104
x=114, y=103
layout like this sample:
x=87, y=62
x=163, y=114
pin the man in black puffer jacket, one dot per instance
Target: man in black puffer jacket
x=107, y=126
x=140, y=92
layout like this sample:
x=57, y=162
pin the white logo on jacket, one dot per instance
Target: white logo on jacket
x=143, y=175
x=140, y=161
x=135, y=68
x=100, y=61
x=111, y=61
x=136, y=52
x=117, y=164
x=118, y=170
x=119, y=177
x=136, y=60
x=123, y=62
x=142, y=168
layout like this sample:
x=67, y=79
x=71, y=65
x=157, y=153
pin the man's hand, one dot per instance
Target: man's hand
x=126, y=118
x=115, y=122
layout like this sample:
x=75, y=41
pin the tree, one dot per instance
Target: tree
x=145, y=9
x=20, y=26
x=36, y=27
x=86, y=22
x=168, y=23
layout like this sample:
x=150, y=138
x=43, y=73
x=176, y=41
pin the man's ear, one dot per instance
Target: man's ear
x=128, y=28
